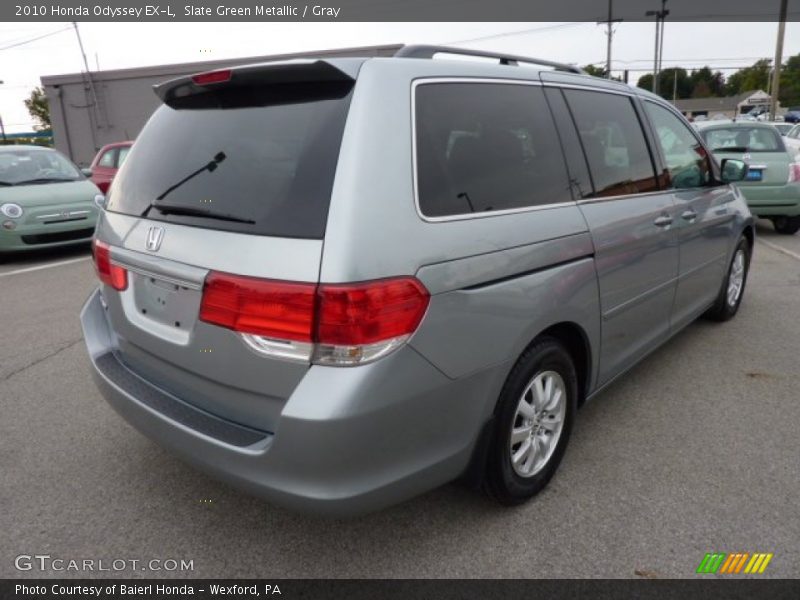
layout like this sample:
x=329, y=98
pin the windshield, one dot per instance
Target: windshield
x=255, y=160
x=27, y=166
x=743, y=139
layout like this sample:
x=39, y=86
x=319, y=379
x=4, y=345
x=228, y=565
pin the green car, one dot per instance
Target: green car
x=45, y=200
x=772, y=185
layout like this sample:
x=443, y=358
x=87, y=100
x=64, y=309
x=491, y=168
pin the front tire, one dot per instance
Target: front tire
x=786, y=225
x=535, y=412
x=730, y=296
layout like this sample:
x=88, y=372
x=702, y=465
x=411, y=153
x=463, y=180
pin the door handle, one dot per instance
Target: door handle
x=688, y=215
x=663, y=221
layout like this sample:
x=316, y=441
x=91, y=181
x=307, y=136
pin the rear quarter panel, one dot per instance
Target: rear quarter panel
x=495, y=281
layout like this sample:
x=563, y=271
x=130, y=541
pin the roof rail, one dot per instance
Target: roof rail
x=421, y=51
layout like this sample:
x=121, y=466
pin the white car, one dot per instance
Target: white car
x=792, y=141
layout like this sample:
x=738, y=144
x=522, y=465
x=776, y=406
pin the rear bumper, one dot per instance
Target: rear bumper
x=348, y=441
x=767, y=200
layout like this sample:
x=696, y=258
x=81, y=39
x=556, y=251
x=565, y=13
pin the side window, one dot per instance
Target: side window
x=613, y=141
x=576, y=162
x=486, y=147
x=123, y=152
x=685, y=157
x=108, y=159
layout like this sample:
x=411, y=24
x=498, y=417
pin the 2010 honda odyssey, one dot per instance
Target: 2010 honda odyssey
x=339, y=283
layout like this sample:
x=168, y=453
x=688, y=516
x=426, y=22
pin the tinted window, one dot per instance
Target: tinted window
x=486, y=147
x=576, y=161
x=685, y=157
x=266, y=155
x=739, y=138
x=613, y=141
x=108, y=158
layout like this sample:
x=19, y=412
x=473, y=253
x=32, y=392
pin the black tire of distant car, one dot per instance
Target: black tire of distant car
x=786, y=225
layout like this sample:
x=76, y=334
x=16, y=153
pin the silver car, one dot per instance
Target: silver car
x=339, y=283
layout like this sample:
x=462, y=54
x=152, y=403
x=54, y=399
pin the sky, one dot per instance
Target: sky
x=123, y=45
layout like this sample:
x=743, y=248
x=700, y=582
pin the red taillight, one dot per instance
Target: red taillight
x=212, y=77
x=274, y=309
x=365, y=313
x=109, y=273
x=340, y=319
x=794, y=172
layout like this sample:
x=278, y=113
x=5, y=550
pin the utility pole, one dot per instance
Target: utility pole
x=675, y=85
x=610, y=35
x=776, y=67
x=2, y=127
x=91, y=106
x=659, y=15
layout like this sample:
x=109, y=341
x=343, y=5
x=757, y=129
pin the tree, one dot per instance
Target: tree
x=39, y=109
x=595, y=71
x=713, y=84
x=755, y=77
x=645, y=82
x=702, y=90
x=789, y=94
x=669, y=80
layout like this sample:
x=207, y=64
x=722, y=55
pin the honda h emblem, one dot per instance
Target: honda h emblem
x=154, y=237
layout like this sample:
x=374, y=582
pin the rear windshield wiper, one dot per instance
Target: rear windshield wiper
x=192, y=211
x=730, y=149
x=43, y=180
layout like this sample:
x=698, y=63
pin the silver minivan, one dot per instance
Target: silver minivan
x=339, y=283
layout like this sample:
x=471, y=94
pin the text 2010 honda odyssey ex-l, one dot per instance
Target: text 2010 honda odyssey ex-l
x=340, y=283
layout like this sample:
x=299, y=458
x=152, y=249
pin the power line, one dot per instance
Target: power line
x=33, y=39
x=519, y=32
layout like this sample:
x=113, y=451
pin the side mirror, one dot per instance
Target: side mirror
x=733, y=170
x=86, y=172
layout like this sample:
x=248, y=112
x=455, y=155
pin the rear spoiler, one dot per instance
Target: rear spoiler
x=291, y=71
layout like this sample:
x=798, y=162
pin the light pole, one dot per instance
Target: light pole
x=659, y=47
x=2, y=127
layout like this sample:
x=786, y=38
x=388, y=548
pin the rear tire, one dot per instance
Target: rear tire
x=786, y=225
x=536, y=408
x=730, y=295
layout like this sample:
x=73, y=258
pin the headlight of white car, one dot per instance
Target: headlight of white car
x=100, y=200
x=11, y=210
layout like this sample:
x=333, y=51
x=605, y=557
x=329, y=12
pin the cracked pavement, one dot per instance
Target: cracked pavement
x=693, y=451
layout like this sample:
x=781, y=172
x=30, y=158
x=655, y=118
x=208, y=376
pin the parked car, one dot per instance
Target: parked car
x=107, y=162
x=791, y=138
x=44, y=200
x=792, y=116
x=772, y=186
x=783, y=128
x=340, y=283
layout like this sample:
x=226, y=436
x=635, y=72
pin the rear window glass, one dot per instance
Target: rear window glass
x=486, y=147
x=743, y=139
x=254, y=160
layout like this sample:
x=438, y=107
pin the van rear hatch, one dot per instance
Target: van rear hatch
x=228, y=183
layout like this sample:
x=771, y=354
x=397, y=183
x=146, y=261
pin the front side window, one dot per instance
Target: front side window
x=123, y=152
x=108, y=158
x=614, y=143
x=485, y=147
x=685, y=157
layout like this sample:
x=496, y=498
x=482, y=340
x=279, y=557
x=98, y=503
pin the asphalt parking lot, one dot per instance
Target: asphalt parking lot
x=695, y=451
